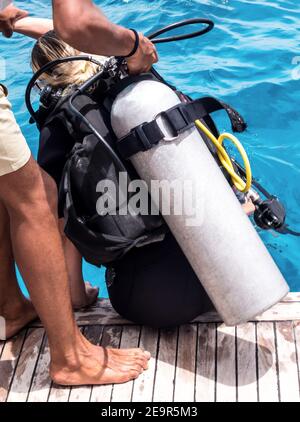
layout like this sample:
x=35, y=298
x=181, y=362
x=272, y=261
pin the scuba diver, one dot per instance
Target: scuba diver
x=153, y=285
x=149, y=279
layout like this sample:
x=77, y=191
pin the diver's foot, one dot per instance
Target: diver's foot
x=17, y=317
x=100, y=366
x=89, y=298
x=92, y=294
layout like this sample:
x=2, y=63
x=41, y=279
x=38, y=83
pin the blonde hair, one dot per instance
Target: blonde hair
x=50, y=47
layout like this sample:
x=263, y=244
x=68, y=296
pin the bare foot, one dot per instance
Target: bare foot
x=92, y=294
x=18, y=317
x=100, y=366
x=90, y=297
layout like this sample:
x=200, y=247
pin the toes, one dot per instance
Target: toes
x=134, y=374
x=147, y=355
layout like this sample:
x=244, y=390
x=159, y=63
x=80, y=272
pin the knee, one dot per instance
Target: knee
x=34, y=198
x=28, y=190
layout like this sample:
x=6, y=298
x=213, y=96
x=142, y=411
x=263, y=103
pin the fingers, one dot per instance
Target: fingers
x=8, y=18
x=20, y=14
x=144, y=58
x=7, y=28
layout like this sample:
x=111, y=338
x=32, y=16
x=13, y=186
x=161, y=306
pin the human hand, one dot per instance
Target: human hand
x=249, y=207
x=144, y=58
x=8, y=17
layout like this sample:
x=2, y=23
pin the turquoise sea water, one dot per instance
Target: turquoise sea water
x=250, y=60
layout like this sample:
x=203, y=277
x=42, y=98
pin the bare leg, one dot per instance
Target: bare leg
x=17, y=309
x=38, y=251
x=82, y=293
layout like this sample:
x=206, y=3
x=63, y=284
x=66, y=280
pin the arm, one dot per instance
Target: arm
x=33, y=27
x=83, y=25
x=8, y=18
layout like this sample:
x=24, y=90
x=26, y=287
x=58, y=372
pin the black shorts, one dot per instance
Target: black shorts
x=156, y=286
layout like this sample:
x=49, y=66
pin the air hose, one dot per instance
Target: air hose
x=209, y=26
x=225, y=159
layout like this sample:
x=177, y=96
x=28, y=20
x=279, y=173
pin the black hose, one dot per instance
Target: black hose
x=209, y=26
x=286, y=230
x=46, y=68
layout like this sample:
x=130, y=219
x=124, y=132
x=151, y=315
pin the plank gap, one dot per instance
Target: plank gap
x=156, y=363
x=256, y=362
x=17, y=362
x=277, y=363
x=35, y=367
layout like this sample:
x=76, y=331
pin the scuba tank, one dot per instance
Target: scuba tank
x=224, y=249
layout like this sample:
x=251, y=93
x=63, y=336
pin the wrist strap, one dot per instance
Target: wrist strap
x=136, y=44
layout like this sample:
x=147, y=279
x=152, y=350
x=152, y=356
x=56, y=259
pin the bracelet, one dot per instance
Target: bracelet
x=136, y=44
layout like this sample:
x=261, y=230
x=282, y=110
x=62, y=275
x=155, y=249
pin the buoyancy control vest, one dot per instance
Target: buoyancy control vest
x=103, y=239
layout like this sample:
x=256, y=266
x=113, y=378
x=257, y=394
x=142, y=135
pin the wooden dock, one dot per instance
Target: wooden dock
x=203, y=361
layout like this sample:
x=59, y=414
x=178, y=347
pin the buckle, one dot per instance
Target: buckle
x=164, y=116
x=168, y=117
x=140, y=134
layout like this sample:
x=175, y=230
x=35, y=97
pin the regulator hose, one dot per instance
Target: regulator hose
x=47, y=68
x=209, y=26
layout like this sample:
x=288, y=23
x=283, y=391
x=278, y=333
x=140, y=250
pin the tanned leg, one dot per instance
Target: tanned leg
x=18, y=310
x=83, y=294
x=38, y=251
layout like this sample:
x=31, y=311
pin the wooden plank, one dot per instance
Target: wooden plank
x=287, y=362
x=26, y=366
x=267, y=363
x=130, y=339
x=41, y=383
x=83, y=394
x=165, y=369
x=226, y=388
x=111, y=337
x=287, y=310
x=296, y=326
x=292, y=297
x=8, y=362
x=143, y=386
x=59, y=394
x=186, y=364
x=206, y=363
x=246, y=363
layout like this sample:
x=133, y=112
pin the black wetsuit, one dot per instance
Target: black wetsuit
x=154, y=285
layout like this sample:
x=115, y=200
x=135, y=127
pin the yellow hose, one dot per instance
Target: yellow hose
x=225, y=160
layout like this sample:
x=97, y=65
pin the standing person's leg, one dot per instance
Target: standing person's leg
x=18, y=310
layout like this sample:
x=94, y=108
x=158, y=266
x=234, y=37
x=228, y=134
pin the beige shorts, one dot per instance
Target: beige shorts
x=14, y=151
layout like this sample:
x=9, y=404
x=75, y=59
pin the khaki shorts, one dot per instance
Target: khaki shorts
x=14, y=151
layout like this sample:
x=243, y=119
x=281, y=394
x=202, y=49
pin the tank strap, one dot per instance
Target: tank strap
x=179, y=118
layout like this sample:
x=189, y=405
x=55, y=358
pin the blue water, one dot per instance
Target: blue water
x=250, y=60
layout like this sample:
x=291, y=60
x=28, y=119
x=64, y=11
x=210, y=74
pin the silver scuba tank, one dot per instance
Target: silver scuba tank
x=222, y=246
